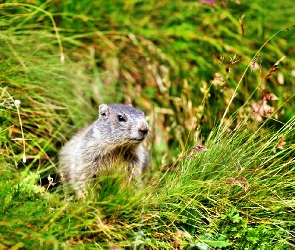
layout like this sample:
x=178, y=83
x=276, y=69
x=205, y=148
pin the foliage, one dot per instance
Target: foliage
x=216, y=82
x=141, y=44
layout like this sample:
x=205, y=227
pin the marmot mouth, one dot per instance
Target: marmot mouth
x=138, y=139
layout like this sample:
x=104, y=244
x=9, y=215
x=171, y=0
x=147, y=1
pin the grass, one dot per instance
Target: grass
x=237, y=194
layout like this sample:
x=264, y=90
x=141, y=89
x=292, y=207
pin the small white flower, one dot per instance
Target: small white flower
x=24, y=158
x=17, y=103
x=62, y=58
x=50, y=179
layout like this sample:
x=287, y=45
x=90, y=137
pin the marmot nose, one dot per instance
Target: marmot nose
x=144, y=131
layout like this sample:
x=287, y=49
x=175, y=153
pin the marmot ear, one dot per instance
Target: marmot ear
x=103, y=110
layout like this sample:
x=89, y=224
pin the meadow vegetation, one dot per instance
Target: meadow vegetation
x=217, y=84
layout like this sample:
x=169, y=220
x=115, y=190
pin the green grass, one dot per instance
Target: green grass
x=238, y=194
x=163, y=58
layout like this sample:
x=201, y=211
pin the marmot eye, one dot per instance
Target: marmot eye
x=121, y=118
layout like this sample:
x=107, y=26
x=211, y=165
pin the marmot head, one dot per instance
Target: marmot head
x=122, y=124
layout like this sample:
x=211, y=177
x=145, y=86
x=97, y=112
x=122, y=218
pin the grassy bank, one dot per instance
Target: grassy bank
x=237, y=194
x=204, y=75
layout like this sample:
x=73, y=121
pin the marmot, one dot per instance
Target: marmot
x=114, y=139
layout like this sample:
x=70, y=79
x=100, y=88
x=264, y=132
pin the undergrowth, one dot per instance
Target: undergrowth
x=236, y=194
x=219, y=102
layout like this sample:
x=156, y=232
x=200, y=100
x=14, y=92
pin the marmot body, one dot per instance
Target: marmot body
x=113, y=140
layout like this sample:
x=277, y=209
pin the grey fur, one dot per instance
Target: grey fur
x=114, y=139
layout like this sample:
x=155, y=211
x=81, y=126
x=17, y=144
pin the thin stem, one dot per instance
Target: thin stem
x=244, y=73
